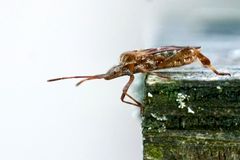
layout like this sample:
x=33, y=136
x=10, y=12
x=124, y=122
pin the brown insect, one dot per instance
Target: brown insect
x=148, y=61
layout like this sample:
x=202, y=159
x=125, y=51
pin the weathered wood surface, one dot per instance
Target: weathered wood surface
x=193, y=116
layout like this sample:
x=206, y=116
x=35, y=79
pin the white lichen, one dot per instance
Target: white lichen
x=219, y=87
x=162, y=129
x=190, y=110
x=181, y=99
x=159, y=118
x=149, y=94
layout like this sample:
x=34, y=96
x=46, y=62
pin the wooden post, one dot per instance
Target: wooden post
x=193, y=116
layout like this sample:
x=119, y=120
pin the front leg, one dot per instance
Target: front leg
x=125, y=89
x=131, y=68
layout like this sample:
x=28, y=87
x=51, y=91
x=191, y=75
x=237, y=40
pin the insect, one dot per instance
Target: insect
x=148, y=61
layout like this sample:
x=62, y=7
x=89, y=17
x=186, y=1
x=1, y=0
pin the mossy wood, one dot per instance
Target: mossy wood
x=193, y=116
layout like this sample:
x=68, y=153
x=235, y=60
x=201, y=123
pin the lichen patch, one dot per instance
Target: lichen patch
x=181, y=99
x=149, y=94
x=159, y=118
x=190, y=110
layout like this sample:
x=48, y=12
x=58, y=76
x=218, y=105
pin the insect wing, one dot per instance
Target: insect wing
x=168, y=48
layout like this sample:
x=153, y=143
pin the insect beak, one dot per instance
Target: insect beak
x=86, y=78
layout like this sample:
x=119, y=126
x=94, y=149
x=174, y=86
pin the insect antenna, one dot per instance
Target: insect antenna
x=86, y=78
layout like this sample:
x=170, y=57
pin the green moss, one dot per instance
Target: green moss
x=153, y=152
x=190, y=118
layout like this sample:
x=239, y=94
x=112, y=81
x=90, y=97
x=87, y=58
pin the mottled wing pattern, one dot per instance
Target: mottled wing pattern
x=167, y=48
x=164, y=51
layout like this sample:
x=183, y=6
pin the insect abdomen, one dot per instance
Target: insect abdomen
x=182, y=57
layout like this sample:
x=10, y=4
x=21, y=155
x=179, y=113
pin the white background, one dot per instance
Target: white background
x=50, y=38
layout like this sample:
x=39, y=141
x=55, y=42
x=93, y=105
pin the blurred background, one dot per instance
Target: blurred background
x=47, y=39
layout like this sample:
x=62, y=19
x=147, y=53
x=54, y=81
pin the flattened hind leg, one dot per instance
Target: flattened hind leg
x=206, y=62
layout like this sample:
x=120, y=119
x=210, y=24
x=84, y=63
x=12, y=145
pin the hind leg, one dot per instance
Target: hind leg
x=206, y=62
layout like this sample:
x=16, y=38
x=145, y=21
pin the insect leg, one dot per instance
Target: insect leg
x=138, y=103
x=206, y=62
x=153, y=73
x=125, y=89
